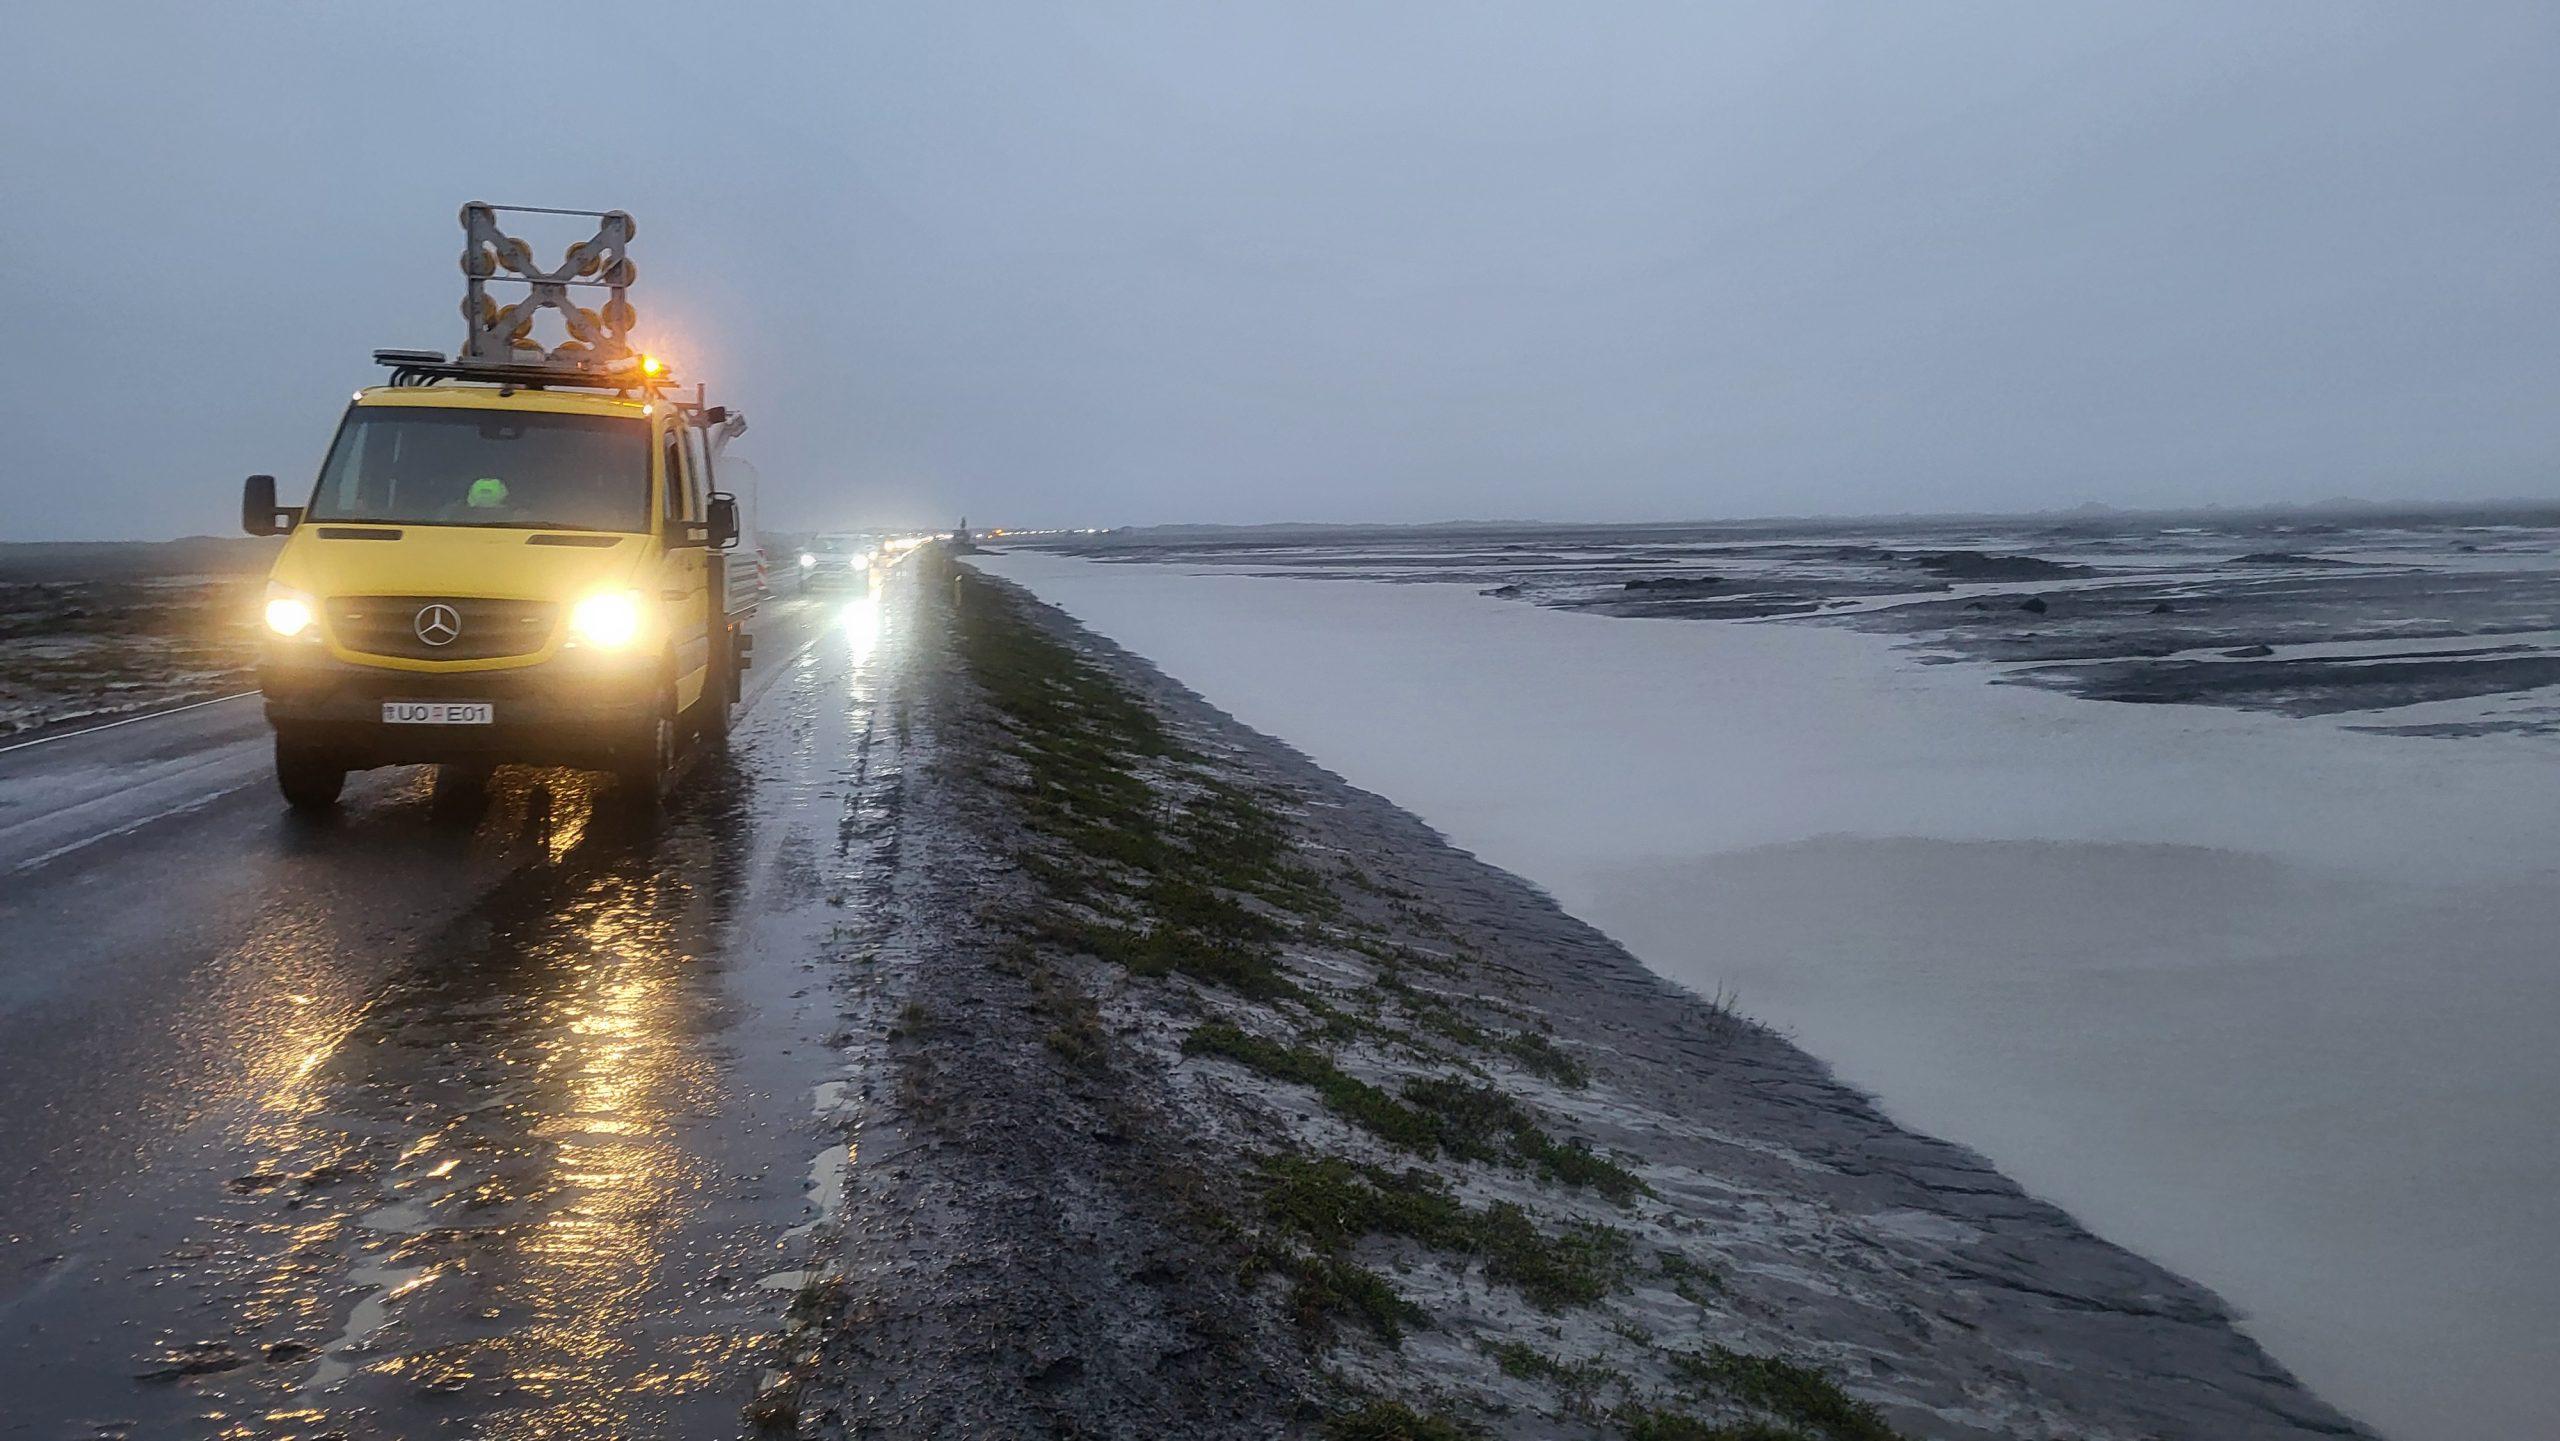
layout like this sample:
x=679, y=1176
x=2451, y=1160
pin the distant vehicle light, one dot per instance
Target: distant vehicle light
x=288, y=615
x=807, y=561
x=607, y=620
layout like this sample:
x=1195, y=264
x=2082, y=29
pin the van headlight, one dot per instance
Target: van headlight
x=290, y=613
x=607, y=620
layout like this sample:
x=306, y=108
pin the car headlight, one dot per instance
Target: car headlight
x=807, y=561
x=289, y=613
x=607, y=620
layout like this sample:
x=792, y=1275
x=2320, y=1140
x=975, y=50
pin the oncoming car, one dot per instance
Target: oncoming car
x=838, y=562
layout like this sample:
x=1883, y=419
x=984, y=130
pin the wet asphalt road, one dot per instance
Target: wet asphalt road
x=491, y=1117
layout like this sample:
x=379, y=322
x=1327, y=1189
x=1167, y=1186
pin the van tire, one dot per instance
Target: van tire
x=648, y=759
x=711, y=712
x=461, y=787
x=311, y=779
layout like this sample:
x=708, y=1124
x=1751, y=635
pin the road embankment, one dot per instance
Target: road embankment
x=1207, y=1095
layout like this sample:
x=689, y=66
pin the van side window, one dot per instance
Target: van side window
x=678, y=490
x=697, y=463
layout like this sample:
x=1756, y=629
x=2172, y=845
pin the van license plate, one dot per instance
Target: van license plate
x=438, y=713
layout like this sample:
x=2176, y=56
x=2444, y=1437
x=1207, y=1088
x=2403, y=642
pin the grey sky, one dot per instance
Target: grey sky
x=1099, y=263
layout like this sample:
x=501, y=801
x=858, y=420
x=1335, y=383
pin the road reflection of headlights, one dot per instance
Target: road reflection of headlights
x=289, y=613
x=608, y=620
x=862, y=627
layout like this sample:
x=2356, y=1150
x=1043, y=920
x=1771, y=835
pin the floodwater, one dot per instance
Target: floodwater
x=2266, y=998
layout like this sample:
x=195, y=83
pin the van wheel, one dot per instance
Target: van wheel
x=711, y=712
x=711, y=722
x=309, y=778
x=460, y=787
x=645, y=768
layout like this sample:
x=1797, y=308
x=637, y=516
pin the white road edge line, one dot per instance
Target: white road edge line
x=128, y=828
x=128, y=720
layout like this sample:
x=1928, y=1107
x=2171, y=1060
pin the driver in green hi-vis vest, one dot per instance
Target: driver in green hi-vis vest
x=483, y=496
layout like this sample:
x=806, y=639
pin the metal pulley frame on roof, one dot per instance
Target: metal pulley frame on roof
x=501, y=336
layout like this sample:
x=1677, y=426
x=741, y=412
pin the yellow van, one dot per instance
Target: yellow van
x=496, y=573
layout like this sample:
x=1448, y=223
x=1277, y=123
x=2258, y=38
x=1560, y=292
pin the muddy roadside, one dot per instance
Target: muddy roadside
x=1206, y=1095
x=93, y=630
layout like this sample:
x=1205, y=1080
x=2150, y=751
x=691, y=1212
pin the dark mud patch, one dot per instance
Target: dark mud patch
x=1974, y=565
x=2308, y=686
x=2318, y=642
x=1691, y=604
x=2289, y=558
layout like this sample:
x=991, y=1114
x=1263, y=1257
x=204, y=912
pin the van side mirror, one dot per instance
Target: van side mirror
x=259, y=513
x=723, y=520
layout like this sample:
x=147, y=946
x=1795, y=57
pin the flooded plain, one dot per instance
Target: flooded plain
x=2260, y=988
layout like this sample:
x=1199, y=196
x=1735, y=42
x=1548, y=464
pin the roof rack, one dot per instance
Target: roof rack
x=498, y=341
x=426, y=367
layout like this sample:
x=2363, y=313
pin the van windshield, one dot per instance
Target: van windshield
x=533, y=469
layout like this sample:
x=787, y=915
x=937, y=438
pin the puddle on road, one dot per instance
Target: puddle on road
x=382, y=1285
x=512, y=1150
x=539, y=1184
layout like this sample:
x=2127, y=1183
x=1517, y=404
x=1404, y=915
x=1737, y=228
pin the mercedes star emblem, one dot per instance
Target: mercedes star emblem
x=439, y=624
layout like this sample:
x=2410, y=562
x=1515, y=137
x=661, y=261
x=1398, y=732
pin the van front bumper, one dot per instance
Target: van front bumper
x=579, y=710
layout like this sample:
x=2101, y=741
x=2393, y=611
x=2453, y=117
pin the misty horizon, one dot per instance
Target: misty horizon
x=2486, y=509
x=1139, y=266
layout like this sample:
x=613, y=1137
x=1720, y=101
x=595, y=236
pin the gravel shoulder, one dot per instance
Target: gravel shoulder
x=1206, y=1095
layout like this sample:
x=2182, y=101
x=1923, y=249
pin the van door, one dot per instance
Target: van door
x=730, y=573
x=684, y=587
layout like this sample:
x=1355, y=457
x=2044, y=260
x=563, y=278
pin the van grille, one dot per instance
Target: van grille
x=483, y=629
